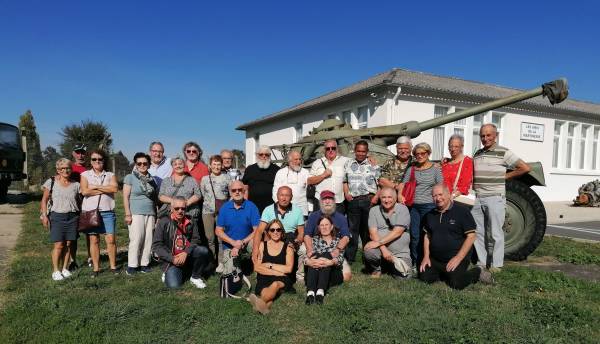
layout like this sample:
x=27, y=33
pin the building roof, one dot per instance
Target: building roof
x=428, y=82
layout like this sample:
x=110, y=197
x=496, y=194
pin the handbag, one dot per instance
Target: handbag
x=218, y=202
x=409, y=188
x=231, y=284
x=165, y=209
x=467, y=199
x=90, y=218
x=50, y=201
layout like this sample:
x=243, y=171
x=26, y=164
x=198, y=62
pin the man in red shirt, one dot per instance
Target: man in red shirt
x=78, y=165
x=193, y=161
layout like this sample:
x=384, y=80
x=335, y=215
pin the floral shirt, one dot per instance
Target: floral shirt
x=320, y=246
x=394, y=170
x=361, y=177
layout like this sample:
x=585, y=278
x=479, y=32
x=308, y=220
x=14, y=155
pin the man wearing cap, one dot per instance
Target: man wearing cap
x=160, y=166
x=327, y=173
x=78, y=165
x=450, y=233
x=393, y=170
x=328, y=207
x=389, y=245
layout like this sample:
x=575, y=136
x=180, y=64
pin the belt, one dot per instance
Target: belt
x=367, y=196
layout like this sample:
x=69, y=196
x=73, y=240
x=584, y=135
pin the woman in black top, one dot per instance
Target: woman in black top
x=275, y=261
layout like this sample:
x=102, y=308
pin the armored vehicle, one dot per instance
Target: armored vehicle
x=12, y=158
x=525, y=222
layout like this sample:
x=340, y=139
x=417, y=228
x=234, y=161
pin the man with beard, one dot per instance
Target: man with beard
x=227, y=167
x=327, y=173
x=295, y=177
x=259, y=179
x=328, y=207
x=160, y=165
x=450, y=233
x=393, y=170
x=361, y=193
x=389, y=246
x=237, y=221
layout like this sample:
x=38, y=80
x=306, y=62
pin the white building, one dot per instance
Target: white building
x=564, y=137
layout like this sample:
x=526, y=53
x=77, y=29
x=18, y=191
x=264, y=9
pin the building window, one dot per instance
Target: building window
x=298, y=132
x=595, y=162
x=497, y=118
x=556, y=143
x=582, y=145
x=363, y=117
x=477, y=123
x=347, y=117
x=460, y=125
x=570, y=135
x=439, y=139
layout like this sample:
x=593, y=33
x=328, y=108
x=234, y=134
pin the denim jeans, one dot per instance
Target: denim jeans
x=358, y=221
x=194, y=265
x=417, y=212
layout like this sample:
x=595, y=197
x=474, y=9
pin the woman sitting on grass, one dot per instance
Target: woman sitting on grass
x=275, y=261
x=322, y=269
x=64, y=216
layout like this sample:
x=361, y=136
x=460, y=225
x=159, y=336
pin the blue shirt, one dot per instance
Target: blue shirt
x=291, y=219
x=339, y=221
x=238, y=223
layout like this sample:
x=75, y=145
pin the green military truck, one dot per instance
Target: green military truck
x=12, y=158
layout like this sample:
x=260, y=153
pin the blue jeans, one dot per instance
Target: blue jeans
x=194, y=264
x=417, y=212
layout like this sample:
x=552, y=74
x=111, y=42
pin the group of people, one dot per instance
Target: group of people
x=196, y=219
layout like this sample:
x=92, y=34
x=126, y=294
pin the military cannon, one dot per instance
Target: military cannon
x=525, y=222
x=12, y=158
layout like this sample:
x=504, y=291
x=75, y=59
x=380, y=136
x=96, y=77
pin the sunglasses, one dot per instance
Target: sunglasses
x=178, y=208
x=421, y=153
x=64, y=169
x=142, y=163
x=264, y=155
x=97, y=159
x=276, y=229
x=330, y=148
x=157, y=151
x=237, y=190
x=191, y=151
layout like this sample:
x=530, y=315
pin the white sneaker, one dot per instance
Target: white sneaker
x=220, y=268
x=162, y=278
x=66, y=273
x=198, y=282
x=57, y=276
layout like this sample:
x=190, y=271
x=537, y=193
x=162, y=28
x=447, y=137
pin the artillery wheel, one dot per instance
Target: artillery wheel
x=525, y=221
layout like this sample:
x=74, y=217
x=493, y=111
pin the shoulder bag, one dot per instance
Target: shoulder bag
x=50, y=201
x=91, y=218
x=409, y=188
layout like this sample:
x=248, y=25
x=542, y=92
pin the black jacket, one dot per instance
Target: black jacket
x=164, y=238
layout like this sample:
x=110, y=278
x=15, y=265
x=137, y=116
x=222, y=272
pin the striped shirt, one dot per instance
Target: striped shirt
x=426, y=179
x=489, y=175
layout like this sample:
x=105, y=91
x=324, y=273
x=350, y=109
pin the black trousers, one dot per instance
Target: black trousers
x=358, y=221
x=324, y=277
x=457, y=279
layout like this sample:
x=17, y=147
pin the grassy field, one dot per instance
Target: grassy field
x=525, y=305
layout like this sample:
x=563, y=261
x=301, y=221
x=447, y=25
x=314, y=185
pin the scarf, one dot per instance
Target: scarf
x=147, y=183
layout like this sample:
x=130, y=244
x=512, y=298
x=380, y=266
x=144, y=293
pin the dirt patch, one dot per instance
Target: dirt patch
x=586, y=272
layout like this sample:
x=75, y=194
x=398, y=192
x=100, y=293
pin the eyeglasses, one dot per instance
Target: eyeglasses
x=275, y=229
x=80, y=152
x=97, y=159
x=191, y=151
x=264, y=155
x=237, y=190
x=157, y=151
x=142, y=163
x=178, y=208
x=64, y=169
x=421, y=153
x=226, y=158
x=330, y=148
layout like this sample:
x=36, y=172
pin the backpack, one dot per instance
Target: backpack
x=230, y=284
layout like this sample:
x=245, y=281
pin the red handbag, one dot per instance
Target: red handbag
x=409, y=189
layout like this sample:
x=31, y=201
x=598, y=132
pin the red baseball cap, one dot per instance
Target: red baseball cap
x=327, y=194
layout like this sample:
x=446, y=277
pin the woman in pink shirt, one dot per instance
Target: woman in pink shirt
x=457, y=161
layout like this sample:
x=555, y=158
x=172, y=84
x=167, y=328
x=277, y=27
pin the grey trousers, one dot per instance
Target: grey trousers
x=489, y=217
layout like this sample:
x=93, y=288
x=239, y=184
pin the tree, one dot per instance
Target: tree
x=50, y=156
x=35, y=161
x=94, y=135
x=122, y=167
x=239, y=158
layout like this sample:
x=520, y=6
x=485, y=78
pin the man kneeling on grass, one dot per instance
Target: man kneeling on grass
x=450, y=233
x=175, y=242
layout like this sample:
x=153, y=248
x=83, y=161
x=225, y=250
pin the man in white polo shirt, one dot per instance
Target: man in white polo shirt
x=489, y=183
x=327, y=173
x=160, y=166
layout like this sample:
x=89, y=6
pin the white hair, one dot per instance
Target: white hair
x=404, y=139
x=457, y=137
x=263, y=148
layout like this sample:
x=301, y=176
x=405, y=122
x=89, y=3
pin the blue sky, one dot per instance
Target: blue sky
x=178, y=71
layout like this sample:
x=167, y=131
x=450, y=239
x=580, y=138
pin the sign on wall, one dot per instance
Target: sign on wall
x=532, y=132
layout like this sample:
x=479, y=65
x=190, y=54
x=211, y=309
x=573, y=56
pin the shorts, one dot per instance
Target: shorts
x=109, y=224
x=63, y=226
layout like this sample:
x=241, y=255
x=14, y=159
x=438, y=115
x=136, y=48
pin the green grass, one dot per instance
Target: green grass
x=525, y=306
x=569, y=251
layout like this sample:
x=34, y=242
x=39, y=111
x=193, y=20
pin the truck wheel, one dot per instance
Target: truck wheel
x=525, y=221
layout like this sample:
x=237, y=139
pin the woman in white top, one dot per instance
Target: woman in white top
x=63, y=216
x=98, y=188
